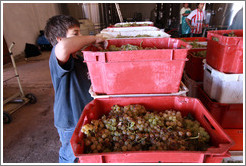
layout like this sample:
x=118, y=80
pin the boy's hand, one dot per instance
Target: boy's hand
x=99, y=42
x=99, y=39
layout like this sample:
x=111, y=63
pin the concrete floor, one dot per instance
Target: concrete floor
x=31, y=136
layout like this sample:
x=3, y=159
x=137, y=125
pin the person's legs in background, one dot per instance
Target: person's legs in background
x=66, y=154
x=199, y=35
x=180, y=30
x=186, y=35
x=195, y=35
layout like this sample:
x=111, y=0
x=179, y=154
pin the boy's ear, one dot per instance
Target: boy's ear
x=58, y=39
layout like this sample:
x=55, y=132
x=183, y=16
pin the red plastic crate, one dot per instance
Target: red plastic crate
x=229, y=116
x=237, y=136
x=194, y=66
x=217, y=159
x=138, y=71
x=191, y=85
x=226, y=54
x=220, y=142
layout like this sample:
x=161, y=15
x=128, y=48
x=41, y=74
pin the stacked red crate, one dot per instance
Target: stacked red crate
x=229, y=116
x=225, y=53
x=99, y=107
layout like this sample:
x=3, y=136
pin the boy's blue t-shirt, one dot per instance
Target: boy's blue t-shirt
x=42, y=40
x=71, y=85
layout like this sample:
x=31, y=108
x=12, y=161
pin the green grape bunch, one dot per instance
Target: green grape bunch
x=194, y=44
x=131, y=25
x=231, y=34
x=144, y=35
x=201, y=54
x=133, y=128
x=128, y=47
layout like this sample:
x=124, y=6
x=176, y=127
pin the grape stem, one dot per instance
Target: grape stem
x=130, y=125
x=142, y=139
x=194, y=137
x=141, y=43
x=169, y=127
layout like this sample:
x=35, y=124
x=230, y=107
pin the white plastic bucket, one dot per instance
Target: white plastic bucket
x=224, y=88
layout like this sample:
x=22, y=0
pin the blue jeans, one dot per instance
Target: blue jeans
x=66, y=153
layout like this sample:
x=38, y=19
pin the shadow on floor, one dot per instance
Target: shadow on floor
x=31, y=136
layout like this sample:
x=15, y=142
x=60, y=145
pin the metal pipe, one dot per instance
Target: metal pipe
x=11, y=46
x=15, y=69
x=11, y=98
x=223, y=20
x=9, y=78
x=119, y=12
x=19, y=106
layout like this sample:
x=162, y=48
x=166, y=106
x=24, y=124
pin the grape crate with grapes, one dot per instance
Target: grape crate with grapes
x=131, y=25
x=133, y=128
x=128, y=47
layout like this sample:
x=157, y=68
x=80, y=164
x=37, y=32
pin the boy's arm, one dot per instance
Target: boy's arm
x=188, y=20
x=67, y=46
x=188, y=23
x=185, y=14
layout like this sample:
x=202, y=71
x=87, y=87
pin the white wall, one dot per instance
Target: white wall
x=23, y=21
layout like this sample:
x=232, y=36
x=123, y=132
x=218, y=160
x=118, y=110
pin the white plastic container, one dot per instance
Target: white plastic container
x=191, y=85
x=182, y=92
x=127, y=29
x=224, y=88
x=236, y=157
x=148, y=23
x=133, y=34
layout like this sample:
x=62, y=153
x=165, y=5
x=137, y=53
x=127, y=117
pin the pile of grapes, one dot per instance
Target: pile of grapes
x=128, y=47
x=119, y=36
x=194, y=44
x=133, y=128
x=197, y=45
x=131, y=25
x=231, y=34
x=201, y=54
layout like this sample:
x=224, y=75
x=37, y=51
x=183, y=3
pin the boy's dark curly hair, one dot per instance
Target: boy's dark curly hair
x=57, y=26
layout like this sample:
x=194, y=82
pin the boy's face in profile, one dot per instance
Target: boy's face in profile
x=74, y=31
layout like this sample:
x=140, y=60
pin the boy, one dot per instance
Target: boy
x=69, y=77
x=197, y=18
